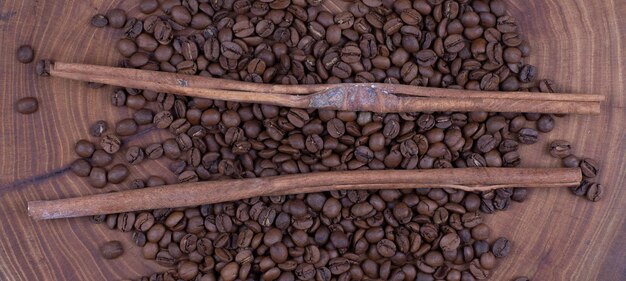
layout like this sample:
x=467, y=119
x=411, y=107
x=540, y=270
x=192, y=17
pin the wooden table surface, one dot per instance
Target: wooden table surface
x=557, y=236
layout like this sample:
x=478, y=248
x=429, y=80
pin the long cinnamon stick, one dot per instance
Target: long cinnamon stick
x=192, y=194
x=374, y=97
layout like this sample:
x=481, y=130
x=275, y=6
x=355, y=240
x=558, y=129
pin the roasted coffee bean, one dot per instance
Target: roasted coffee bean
x=528, y=136
x=27, y=105
x=154, y=151
x=97, y=177
x=111, y=249
x=116, y=17
x=501, y=247
x=117, y=174
x=80, y=167
x=99, y=21
x=84, y=148
x=126, y=127
x=595, y=192
x=100, y=158
x=545, y=123
x=25, y=54
x=148, y=6
x=560, y=149
x=98, y=128
x=589, y=167
x=571, y=161
x=163, y=119
x=582, y=188
x=110, y=143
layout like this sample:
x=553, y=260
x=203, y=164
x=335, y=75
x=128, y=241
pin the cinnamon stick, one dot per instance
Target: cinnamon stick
x=193, y=194
x=375, y=97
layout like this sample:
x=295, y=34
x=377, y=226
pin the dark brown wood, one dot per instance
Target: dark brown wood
x=210, y=192
x=556, y=236
x=375, y=97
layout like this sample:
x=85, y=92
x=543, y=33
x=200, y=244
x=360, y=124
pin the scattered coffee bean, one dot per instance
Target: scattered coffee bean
x=84, y=148
x=117, y=174
x=111, y=250
x=27, y=105
x=560, y=149
x=110, y=143
x=97, y=177
x=25, y=54
x=99, y=21
x=98, y=128
x=80, y=167
x=589, y=167
x=595, y=192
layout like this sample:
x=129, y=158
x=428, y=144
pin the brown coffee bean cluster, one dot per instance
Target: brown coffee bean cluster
x=96, y=162
x=418, y=234
x=391, y=42
x=455, y=44
x=589, y=167
x=422, y=234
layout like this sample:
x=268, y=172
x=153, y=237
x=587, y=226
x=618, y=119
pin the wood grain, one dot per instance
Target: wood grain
x=580, y=44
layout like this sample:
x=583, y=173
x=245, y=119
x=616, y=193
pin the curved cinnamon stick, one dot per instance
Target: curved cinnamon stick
x=374, y=97
x=193, y=194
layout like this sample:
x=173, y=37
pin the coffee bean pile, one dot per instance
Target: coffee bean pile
x=422, y=234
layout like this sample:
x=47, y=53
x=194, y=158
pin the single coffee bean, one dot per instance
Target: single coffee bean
x=101, y=158
x=148, y=6
x=163, y=119
x=560, y=149
x=116, y=18
x=97, y=177
x=571, y=161
x=25, y=54
x=454, y=43
x=336, y=128
x=154, y=151
x=528, y=73
x=519, y=194
x=84, y=148
x=98, y=128
x=545, y=123
x=117, y=174
x=27, y=105
x=99, y=21
x=595, y=192
x=110, y=143
x=581, y=189
x=386, y=248
x=80, y=167
x=501, y=247
x=126, y=127
x=528, y=136
x=589, y=167
x=449, y=242
x=111, y=249
x=135, y=155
